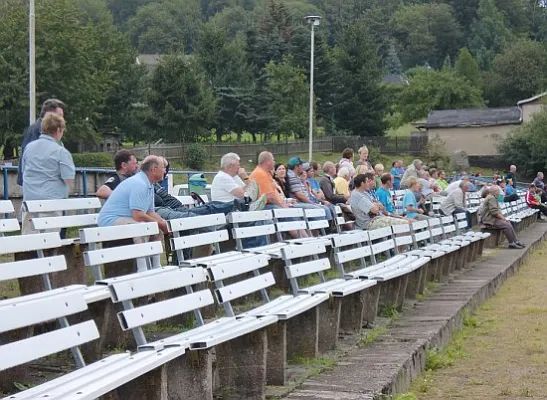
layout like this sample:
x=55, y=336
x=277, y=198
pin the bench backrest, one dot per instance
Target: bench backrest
x=420, y=232
x=282, y=226
x=316, y=221
x=436, y=229
x=8, y=221
x=96, y=256
x=317, y=263
x=381, y=242
x=243, y=227
x=144, y=284
x=350, y=247
x=188, y=201
x=186, y=234
x=402, y=235
x=82, y=207
x=339, y=220
x=237, y=270
x=461, y=222
x=27, y=311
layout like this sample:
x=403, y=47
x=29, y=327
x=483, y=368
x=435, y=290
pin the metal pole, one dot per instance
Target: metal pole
x=311, y=93
x=32, y=64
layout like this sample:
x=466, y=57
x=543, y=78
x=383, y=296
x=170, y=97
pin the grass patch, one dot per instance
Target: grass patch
x=371, y=336
x=389, y=312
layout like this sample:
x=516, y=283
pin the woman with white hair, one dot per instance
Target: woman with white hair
x=341, y=182
x=363, y=162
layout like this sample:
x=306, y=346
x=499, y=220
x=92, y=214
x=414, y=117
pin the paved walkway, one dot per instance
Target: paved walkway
x=504, y=351
x=398, y=357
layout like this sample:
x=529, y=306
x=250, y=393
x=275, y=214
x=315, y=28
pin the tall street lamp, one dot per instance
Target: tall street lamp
x=313, y=20
x=32, y=65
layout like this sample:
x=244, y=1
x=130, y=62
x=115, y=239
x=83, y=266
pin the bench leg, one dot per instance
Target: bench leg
x=434, y=264
x=414, y=281
x=393, y=293
x=353, y=308
x=445, y=264
x=241, y=364
x=329, y=314
x=277, y=268
x=371, y=299
x=276, y=360
x=303, y=335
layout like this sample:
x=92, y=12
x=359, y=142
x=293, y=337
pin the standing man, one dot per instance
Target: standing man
x=47, y=166
x=126, y=166
x=396, y=173
x=512, y=175
x=33, y=132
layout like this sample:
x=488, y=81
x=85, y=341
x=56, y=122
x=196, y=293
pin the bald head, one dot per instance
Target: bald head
x=494, y=190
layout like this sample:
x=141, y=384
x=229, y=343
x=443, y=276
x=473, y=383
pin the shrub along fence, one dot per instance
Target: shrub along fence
x=329, y=144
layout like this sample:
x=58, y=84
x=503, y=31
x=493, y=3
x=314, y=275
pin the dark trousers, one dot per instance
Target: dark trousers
x=510, y=198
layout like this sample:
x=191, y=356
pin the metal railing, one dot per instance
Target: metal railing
x=83, y=176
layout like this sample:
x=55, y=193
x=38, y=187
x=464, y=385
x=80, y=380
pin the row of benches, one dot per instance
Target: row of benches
x=383, y=266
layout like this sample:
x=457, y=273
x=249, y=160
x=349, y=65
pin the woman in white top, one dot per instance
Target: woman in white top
x=347, y=161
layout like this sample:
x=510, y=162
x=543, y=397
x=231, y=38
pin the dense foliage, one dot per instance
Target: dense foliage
x=243, y=65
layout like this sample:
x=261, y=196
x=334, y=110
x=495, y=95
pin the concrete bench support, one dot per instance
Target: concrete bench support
x=241, y=365
x=354, y=310
x=329, y=314
x=393, y=292
x=188, y=377
x=416, y=282
x=371, y=300
x=276, y=361
x=495, y=239
x=303, y=335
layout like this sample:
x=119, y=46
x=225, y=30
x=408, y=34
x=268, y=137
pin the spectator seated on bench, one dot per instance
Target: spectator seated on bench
x=455, y=203
x=533, y=200
x=491, y=216
x=126, y=166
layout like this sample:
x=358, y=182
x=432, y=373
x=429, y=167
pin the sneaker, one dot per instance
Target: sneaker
x=515, y=246
x=252, y=190
x=197, y=198
x=259, y=204
x=520, y=244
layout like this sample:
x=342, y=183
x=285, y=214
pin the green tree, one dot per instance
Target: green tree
x=436, y=90
x=426, y=32
x=392, y=62
x=519, y=72
x=95, y=11
x=490, y=33
x=358, y=100
x=285, y=81
x=122, y=10
x=526, y=147
x=468, y=68
x=182, y=101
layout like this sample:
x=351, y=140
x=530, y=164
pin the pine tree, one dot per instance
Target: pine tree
x=359, y=101
x=447, y=63
x=393, y=63
x=468, y=68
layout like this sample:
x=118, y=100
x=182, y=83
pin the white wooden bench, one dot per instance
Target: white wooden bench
x=89, y=381
x=80, y=206
x=340, y=222
x=8, y=221
x=186, y=378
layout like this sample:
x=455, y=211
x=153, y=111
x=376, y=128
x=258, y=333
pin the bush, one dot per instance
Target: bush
x=436, y=153
x=93, y=160
x=196, y=155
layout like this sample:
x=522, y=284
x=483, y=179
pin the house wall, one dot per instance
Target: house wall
x=530, y=108
x=475, y=141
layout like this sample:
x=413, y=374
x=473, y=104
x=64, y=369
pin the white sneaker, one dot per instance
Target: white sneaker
x=253, y=190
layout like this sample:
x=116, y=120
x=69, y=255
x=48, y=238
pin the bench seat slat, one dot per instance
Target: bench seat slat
x=129, y=252
x=286, y=307
x=199, y=239
x=245, y=262
x=88, y=203
x=9, y=225
x=39, y=241
x=202, y=221
x=68, y=221
x=215, y=258
x=244, y=287
x=119, y=232
x=37, y=266
x=305, y=268
x=31, y=311
x=164, y=309
x=6, y=207
x=170, y=279
x=36, y=347
x=339, y=287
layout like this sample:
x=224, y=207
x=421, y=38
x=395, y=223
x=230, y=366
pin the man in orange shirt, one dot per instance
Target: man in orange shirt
x=262, y=174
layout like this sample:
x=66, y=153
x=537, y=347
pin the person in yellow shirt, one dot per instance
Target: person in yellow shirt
x=341, y=182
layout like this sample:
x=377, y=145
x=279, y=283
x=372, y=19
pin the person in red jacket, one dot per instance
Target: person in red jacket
x=534, y=201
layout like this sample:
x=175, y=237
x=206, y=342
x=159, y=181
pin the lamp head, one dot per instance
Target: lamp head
x=313, y=19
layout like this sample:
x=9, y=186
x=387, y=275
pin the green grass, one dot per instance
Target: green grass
x=371, y=336
x=404, y=130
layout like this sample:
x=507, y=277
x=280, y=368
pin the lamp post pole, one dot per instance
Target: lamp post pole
x=314, y=20
x=32, y=63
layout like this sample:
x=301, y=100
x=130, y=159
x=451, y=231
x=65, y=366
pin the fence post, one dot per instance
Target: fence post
x=396, y=146
x=84, y=183
x=6, y=184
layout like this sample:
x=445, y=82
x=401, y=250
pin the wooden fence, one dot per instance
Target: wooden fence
x=327, y=145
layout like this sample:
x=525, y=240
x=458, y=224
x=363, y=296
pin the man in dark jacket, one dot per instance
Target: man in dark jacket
x=327, y=185
x=33, y=132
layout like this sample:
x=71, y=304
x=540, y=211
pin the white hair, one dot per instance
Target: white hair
x=343, y=172
x=228, y=159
